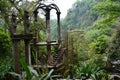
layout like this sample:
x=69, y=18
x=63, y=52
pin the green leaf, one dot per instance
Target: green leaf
x=25, y=67
x=68, y=78
x=16, y=75
x=42, y=76
x=49, y=74
x=33, y=71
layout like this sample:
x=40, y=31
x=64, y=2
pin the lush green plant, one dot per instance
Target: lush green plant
x=80, y=16
x=114, y=47
x=5, y=44
x=32, y=74
x=100, y=44
x=6, y=66
x=88, y=71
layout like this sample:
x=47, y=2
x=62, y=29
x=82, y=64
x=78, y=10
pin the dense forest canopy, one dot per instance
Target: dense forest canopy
x=80, y=16
x=98, y=18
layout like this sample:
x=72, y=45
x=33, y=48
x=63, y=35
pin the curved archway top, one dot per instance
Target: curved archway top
x=48, y=7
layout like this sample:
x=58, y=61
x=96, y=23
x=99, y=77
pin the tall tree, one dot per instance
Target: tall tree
x=7, y=7
x=109, y=10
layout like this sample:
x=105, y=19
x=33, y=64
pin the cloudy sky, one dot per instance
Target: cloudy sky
x=64, y=5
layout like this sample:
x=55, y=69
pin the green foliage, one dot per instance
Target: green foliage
x=77, y=52
x=94, y=32
x=88, y=71
x=5, y=44
x=99, y=34
x=25, y=67
x=110, y=12
x=4, y=5
x=80, y=16
x=53, y=29
x=6, y=66
x=100, y=44
x=110, y=7
x=114, y=47
x=78, y=43
x=5, y=8
x=31, y=73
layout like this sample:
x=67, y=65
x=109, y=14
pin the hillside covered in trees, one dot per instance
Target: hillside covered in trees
x=81, y=15
x=92, y=17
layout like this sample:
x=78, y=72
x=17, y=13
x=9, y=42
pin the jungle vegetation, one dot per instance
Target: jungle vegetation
x=92, y=28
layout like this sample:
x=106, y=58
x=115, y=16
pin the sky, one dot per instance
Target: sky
x=64, y=5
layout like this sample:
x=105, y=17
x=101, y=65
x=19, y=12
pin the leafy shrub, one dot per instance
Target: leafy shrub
x=5, y=44
x=88, y=71
x=32, y=74
x=5, y=67
x=99, y=45
x=114, y=47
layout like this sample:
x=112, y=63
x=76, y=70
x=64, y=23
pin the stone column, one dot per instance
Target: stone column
x=16, y=56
